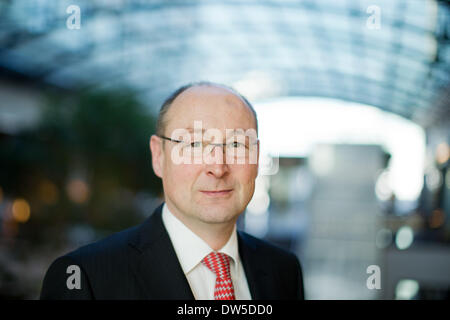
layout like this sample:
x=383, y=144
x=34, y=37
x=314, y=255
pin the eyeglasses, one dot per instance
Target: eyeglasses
x=234, y=148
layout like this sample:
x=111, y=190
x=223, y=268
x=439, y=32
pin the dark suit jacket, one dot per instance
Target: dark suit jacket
x=141, y=263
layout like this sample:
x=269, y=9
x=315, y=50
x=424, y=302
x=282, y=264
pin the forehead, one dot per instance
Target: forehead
x=215, y=107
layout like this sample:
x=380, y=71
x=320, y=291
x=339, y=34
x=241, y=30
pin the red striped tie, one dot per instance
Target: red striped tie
x=219, y=263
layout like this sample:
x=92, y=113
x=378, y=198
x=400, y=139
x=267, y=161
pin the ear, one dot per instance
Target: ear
x=257, y=159
x=258, y=152
x=157, y=151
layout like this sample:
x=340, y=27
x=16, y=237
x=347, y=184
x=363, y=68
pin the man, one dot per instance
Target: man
x=189, y=247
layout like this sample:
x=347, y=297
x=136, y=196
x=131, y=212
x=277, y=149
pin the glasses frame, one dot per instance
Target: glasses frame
x=223, y=145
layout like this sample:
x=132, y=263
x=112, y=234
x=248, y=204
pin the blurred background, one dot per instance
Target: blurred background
x=353, y=100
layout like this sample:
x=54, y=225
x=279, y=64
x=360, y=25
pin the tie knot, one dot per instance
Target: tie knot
x=219, y=263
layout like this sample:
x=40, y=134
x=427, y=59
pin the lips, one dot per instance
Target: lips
x=217, y=193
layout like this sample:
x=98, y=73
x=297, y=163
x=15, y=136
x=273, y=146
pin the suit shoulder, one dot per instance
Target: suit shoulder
x=96, y=264
x=108, y=247
x=267, y=248
x=57, y=283
x=282, y=264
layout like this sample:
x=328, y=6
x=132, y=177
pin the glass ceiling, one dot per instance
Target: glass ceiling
x=394, y=55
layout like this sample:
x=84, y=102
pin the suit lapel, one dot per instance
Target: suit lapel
x=155, y=263
x=159, y=273
x=254, y=267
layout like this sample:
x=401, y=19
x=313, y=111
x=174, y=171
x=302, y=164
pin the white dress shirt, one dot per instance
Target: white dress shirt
x=191, y=250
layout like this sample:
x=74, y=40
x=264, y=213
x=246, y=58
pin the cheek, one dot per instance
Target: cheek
x=249, y=172
x=246, y=176
x=180, y=176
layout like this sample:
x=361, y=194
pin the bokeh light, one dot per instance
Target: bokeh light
x=442, y=153
x=437, y=218
x=48, y=192
x=77, y=191
x=406, y=289
x=21, y=210
x=404, y=237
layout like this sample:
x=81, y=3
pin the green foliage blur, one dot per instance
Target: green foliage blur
x=100, y=138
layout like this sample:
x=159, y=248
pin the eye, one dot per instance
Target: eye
x=236, y=144
x=196, y=144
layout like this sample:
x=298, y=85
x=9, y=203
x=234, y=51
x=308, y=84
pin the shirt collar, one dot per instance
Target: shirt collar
x=190, y=248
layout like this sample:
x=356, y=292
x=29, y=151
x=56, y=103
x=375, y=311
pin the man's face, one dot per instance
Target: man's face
x=210, y=193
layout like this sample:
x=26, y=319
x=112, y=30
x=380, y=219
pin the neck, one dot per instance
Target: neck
x=216, y=235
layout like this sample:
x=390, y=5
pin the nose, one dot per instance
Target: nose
x=217, y=169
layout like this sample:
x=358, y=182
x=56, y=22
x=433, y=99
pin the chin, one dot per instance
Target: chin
x=213, y=214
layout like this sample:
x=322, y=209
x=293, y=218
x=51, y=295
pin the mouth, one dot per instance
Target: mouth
x=217, y=193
